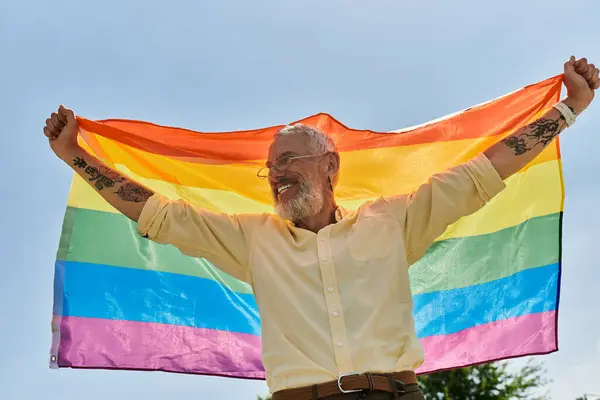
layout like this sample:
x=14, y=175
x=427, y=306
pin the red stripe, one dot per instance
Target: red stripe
x=504, y=115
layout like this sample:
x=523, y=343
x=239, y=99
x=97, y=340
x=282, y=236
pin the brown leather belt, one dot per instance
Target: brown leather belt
x=349, y=383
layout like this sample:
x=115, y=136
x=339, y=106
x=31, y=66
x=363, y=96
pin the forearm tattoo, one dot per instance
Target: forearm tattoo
x=103, y=177
x=540, y=132
x=132, y=192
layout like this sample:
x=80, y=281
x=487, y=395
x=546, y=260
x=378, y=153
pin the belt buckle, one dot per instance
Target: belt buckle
x=339, y=382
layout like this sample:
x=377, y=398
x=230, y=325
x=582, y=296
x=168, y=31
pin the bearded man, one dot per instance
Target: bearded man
x=331, y=286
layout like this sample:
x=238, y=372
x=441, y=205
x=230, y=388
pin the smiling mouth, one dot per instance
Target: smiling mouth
x=283, y=188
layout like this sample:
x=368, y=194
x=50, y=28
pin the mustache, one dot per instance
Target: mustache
x=283, y=180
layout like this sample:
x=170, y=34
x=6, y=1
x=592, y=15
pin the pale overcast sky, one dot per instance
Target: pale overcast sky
x=225, y=65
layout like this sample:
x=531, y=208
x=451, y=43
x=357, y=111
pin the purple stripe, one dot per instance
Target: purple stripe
x=513, y=337
x=116, y=344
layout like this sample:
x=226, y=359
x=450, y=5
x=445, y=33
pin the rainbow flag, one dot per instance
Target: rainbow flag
x=486, y=290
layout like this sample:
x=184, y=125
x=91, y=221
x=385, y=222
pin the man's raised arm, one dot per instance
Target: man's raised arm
x=514, y=152
x=450, y=195
x=123, y=194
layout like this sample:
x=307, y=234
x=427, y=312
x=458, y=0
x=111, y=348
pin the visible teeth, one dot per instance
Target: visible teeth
x=283, y=188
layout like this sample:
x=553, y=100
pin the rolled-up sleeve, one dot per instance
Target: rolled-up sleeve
x=444, y=199
x=223, y=239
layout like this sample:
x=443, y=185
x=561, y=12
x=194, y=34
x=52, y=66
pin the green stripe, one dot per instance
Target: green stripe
x=66, y=234
x=112, y=239
x=461, y=262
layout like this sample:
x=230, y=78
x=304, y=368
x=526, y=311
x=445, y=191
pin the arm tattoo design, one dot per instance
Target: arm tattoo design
x=79, y=162
x=542, y=131
x=112, y=174
x=97, y=176
x=105, y=177
x=132, y=192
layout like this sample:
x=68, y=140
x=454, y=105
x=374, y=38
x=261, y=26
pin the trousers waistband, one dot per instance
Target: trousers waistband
x=348, y=383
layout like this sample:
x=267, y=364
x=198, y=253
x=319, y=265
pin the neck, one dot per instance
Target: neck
x=316, y=222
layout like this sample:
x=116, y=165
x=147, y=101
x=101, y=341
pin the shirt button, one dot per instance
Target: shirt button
x=335, y=313
x=330, y=289
x=340, y=344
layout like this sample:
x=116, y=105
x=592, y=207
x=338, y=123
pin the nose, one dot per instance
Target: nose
x=275, y=174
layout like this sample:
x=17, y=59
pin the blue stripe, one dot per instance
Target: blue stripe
x=59, y=290
x=530, y=291
x=101, y=291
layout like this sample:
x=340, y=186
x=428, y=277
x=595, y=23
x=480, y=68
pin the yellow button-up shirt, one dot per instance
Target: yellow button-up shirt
x=336, y=301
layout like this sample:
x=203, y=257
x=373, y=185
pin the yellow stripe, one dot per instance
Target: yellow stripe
x=534, y=192
x=390, y=170
x=84, y=196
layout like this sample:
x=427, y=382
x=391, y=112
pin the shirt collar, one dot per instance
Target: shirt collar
x=340, y=213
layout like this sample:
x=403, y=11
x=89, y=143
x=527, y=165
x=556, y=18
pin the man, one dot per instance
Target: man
x=331, y=286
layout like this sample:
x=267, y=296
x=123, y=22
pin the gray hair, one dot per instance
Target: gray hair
x=319, y=141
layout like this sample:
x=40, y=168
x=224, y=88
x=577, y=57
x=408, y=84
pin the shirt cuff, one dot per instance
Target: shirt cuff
x=484, y=175
x=146, y=226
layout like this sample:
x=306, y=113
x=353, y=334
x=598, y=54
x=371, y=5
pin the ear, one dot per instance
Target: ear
x=333, y=164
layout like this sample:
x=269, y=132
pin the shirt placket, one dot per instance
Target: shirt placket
x=333, y=302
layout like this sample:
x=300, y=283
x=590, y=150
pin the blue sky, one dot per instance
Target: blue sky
x=231, y=65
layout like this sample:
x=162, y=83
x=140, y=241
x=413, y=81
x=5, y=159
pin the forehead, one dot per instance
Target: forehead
x=292, y=144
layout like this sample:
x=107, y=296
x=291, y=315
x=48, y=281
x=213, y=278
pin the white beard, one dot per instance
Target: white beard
x=309, y=201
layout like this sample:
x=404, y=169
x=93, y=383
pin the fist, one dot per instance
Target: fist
x=581, y=80
x=61, y=130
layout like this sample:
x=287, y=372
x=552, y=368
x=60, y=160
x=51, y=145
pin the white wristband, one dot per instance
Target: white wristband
x=566, y=112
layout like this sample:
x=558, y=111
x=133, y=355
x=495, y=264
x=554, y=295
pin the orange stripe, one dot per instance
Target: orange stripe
x=496, y=117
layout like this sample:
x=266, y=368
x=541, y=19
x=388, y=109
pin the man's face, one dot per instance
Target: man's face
x=298, y=190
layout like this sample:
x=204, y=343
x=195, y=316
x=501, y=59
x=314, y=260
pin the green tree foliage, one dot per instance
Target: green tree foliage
x=493, y=381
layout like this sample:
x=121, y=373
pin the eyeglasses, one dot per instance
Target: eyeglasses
x=281, y=164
